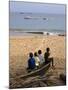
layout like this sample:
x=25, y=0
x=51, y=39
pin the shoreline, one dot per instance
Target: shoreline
x=36, y=31
x=19, y=34
x=34, y=36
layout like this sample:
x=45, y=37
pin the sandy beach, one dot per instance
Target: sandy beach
x=20, y=46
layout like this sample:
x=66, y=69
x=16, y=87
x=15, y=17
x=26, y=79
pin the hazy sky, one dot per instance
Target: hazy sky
x=20, y=6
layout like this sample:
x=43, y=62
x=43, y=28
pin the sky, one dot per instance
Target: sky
x=20, y=6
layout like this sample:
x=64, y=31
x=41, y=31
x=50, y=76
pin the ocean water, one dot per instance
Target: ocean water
x=37, y=22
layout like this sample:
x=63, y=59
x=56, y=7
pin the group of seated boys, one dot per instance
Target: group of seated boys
x=38, y=59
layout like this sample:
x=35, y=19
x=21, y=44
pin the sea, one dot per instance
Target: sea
x=20, y=22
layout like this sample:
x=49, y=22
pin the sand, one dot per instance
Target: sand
x=20, y=46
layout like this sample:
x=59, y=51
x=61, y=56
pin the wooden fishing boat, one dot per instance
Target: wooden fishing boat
x=41, y=71
x=24, y=81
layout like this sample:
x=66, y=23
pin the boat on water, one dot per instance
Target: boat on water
x=30, y=17
x=27, y=17
x=21, y=12
x=44, y=18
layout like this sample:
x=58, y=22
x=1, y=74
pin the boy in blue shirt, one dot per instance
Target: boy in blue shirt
x=31, y=61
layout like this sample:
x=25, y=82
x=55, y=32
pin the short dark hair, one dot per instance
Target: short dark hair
x=31, y=54
x=39, y=52
x=35, y=54
x=47, y=49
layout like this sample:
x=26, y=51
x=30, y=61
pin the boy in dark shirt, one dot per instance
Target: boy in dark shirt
x=46, y=56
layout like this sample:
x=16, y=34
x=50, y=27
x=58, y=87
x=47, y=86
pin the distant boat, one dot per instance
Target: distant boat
x=21, y=12
x=28, y=17
x=44, y=18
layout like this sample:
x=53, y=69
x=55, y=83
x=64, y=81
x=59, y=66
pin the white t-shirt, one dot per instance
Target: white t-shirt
x=41, y=58
x=37, y=61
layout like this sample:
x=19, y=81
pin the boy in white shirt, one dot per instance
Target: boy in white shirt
x=40, y=56
x=37, y=61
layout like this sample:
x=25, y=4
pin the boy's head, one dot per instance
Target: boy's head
x=30, y=54
x=48, y=49
x=35, y=54
x=39, y=52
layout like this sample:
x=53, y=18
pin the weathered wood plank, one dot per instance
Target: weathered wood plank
x=40, y=72
x=42, y=84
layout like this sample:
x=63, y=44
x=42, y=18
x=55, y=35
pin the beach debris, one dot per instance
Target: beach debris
x=48, y=79
x=63, y=77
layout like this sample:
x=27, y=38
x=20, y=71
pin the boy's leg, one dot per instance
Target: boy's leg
x=51, y=60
